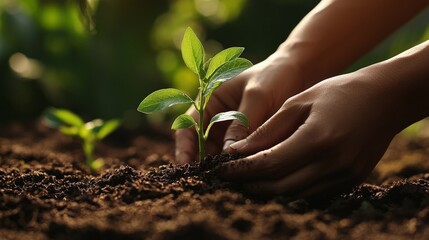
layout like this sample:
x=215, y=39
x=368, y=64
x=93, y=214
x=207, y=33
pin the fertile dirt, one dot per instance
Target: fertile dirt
x=46, y=192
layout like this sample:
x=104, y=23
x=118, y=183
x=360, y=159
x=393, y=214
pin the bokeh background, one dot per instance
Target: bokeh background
x=50, y=57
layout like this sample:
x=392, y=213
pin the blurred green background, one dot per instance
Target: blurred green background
x=48, y=57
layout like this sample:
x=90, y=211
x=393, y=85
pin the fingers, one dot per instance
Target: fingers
x=186, y=142
x=276, y=161
x=310, y=179
x=185, y=145
x=320, y=175
x=255, y=107
x=291, y=183
x=278, y=128
x=320, y=187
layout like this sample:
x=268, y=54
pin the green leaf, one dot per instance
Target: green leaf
x=207, y=64
x=84, y=132
x=226, y=116
x=70, y=130
x=193, y=53
x=97, y=164
x=107, y=128
x=230, y=115
x=162, y=99
x=230, y=69
x=90, y=128
x=226, y=72
x=183, y=121
x=55, y=118
x=94, y=124
x=223, y=57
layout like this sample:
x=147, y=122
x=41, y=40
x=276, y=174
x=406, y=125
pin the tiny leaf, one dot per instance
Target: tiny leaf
x=226, y=72
x=55, y=118
x=193, y=52
x=183, y=121
x=162, y=99
x=223, y=57
x=85, y=132
x=70, y=130
x=91, y=128
x=230, y=115
x=226, y=116
x=230, y=69
x=97, y=164
x=107, y=128
x=94, y=124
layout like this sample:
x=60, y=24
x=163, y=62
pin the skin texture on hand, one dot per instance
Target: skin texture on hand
x=331, y=37
x=306, y=139
x=336, y=33
x=330, y=136
x=258, y=93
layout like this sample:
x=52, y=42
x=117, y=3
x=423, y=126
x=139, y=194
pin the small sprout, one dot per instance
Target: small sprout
x=91, y=132
x=222, y=67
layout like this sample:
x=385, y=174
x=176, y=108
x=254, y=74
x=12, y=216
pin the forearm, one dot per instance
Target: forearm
x=403, y=83
x=338, y=32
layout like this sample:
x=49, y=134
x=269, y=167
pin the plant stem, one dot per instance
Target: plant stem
x=201, y=138
x=88, y=148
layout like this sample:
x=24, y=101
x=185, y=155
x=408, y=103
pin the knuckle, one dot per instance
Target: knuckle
x=297, y=100
x=291, y=103
x=295, y=108
x=256, y=92
x=236, y=125
x=260, y=133
x=236, y=131
x=287, y=108
x=326, y=138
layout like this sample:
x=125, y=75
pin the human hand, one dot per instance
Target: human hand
x=258, y=93
x=322, y=140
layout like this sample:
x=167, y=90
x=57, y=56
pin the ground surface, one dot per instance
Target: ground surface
x=46, y=193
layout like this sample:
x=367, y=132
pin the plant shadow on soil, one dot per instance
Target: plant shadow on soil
x=47, y=193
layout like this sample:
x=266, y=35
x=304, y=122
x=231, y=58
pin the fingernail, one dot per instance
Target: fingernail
x=227, y=144
x=238, y=145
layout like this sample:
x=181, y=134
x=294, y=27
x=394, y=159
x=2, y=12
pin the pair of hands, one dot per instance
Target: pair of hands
x=300, y=141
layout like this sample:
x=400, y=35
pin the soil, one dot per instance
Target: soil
x=46, y=192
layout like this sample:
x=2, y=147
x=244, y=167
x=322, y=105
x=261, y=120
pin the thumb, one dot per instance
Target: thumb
x=256, y=110
x=276, y=129
x=186, y=148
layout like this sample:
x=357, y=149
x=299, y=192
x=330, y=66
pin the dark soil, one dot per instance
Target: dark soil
x=47, y=193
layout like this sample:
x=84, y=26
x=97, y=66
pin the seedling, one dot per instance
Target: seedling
x=91, y=132
x=211, y=74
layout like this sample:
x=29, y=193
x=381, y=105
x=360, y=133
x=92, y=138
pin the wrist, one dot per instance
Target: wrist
x=307, y=57
x=295, y=71
x=403, y=83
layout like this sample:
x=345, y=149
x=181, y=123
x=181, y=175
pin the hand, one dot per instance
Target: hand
x=258, y=93
x=322, y=140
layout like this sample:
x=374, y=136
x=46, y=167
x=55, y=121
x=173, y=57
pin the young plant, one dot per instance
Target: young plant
x=91, y=132
x=211, y=74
